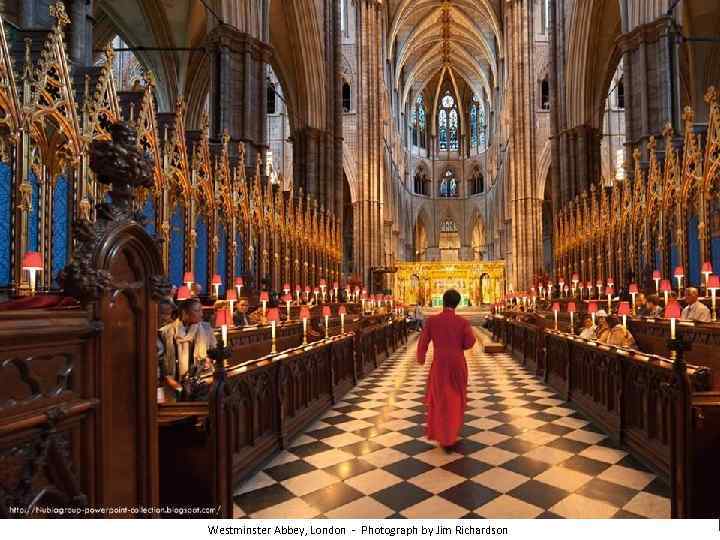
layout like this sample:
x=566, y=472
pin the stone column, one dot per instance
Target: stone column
x=238, y=97
x=367, y=209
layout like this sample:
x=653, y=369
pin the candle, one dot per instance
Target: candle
x=32, y=262
x=571, y=310
x=342, y=312
x=673, y=312
x=288, y=301
x=323, y=285
x=713, y=285
x=657, y=276
x=231, y=298
x=575, y=280
x=599, y=285
x=556, y=308
x=216, y=282
x=326, y=313
x=273, y=317
x=679, y=275
x=239, y=285
x=633, y=289
x=221, y=322
x=707, y=269
x=624, y=310
x=666, y=289
x=335, y=291
x=592, y=309
x=264, y=298
x=304, y=315
x=610, y=291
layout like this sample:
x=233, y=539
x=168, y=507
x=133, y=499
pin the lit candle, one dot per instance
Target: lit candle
x=679, y=275
x=713, y=286
x=297, y=293
x=599, y=285
x=571, y=310
x=657, y=277
x=673, y=312
x=342, y=312
x=556, y=309
x=335, y=291
x=304, y=315
x=32, y=262
x=624, y=310
x=216, y=282
x=633, y=289
x=326, y=313
x=273, y=317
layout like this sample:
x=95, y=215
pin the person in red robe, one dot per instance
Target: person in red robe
x=446, y=396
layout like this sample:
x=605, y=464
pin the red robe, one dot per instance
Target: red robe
x=447, y=384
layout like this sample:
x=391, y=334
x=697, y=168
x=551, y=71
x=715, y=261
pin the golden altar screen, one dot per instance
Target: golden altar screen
x=478, y=282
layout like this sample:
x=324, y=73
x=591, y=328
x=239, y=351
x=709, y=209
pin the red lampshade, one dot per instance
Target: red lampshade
x=221, y=318
x=633, y=288
x=673, y=310
x=316, y=290
x=323, y=283
x=357, y=289
x=189, y=277
x=304, y=312
x=335, y=284
x=592, y=307
x=624, y=308
x=610, y=281
x=342, y=310
x=183, y=293
x=286, y=287
x=264, y=296
x=231, y=295
x=378, y=297
x=706, y=268
x=561, y=281
x=598, y=283
x=679, y=272
x=588, y=285
x=273, y=314
x=713, y=282
x=298, y=288
x=556, y=306
x=308, y=289
x=665, y=286
x=32, y=260
x=239, y=282
x=364, y=294
x=610, y=291
x=571, y=307
x=576, y=277
x=657, y=274
x=326, y=311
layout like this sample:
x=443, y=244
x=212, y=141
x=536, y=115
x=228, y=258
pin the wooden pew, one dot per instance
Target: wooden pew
x=665, y=413
x=256, y=408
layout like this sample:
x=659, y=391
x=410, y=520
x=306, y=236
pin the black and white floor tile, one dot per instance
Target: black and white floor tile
x=524, y=454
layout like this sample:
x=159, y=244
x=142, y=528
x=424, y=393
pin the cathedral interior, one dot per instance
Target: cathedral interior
x=223, y=222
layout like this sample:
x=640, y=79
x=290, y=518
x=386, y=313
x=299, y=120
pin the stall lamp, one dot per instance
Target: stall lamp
x=189, y=279
x=274, y=318
x=221, y=321
x=231, y=297
x=239, y=285
x=657, y=277
x=183, y=293
x=592, y=309
x=298, y=289
x=316, y=291
x=561, y=283
x=323, y=286
x=288, y=301
x=264, y=299
x=342, y=311
x=335, y=291
x=599, y=285
x=571, y=310
x=556, y=309
x=216, y=282
x=575, y=280
x=308, y=290
x=624, y=310
x=679, y=274
x=32, y=262
x=588, y=286
x=609, y=291
x=666, y=289
x=304, y=315
x=286, y=288
x=326, y=313
x=713, y=286
x=549, y=290
x=673, y=312
x=633, y=290
x=706, y=270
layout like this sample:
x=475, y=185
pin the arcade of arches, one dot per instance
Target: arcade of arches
x=305, y=178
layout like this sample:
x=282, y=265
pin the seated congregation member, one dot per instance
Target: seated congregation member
x=652, y=307
x=446, y=396
x=618, y=335
x=168, y=325
x=194, y=338
x=603, y=329
x=695, y=310
x=588, y=328
x=240, y=316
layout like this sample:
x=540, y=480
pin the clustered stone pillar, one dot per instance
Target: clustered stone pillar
x=367, y=209
x=238, y=100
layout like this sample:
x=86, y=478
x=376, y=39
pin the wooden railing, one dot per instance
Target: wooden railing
x=665, y=412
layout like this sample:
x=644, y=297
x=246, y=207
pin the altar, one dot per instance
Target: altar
x=478, y=282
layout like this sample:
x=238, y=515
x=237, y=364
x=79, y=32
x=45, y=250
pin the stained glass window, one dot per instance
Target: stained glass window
x=5, y=220
x=177, y=246
x=201, y=253
x=420, y=119
x=448, y=185
x=474, y=124
x=448, y=124
x=60, y=225
x=149, y=215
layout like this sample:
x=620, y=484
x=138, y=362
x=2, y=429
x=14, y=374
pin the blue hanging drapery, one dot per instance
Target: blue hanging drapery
x=177, y=246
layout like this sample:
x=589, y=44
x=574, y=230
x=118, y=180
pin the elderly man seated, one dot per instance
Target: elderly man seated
x=695, y=310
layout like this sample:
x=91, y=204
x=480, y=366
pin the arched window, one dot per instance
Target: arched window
x=420, y=119
x=414, y=127
x=271, y=105
x=448, y=124
x=545, y=95
x=477, y=124
x=346, y=97
x=474, y=123
x=448, y=184
x=620, y=94
x=477, y=182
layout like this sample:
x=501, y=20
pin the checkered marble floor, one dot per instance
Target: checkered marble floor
x=524, y=453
